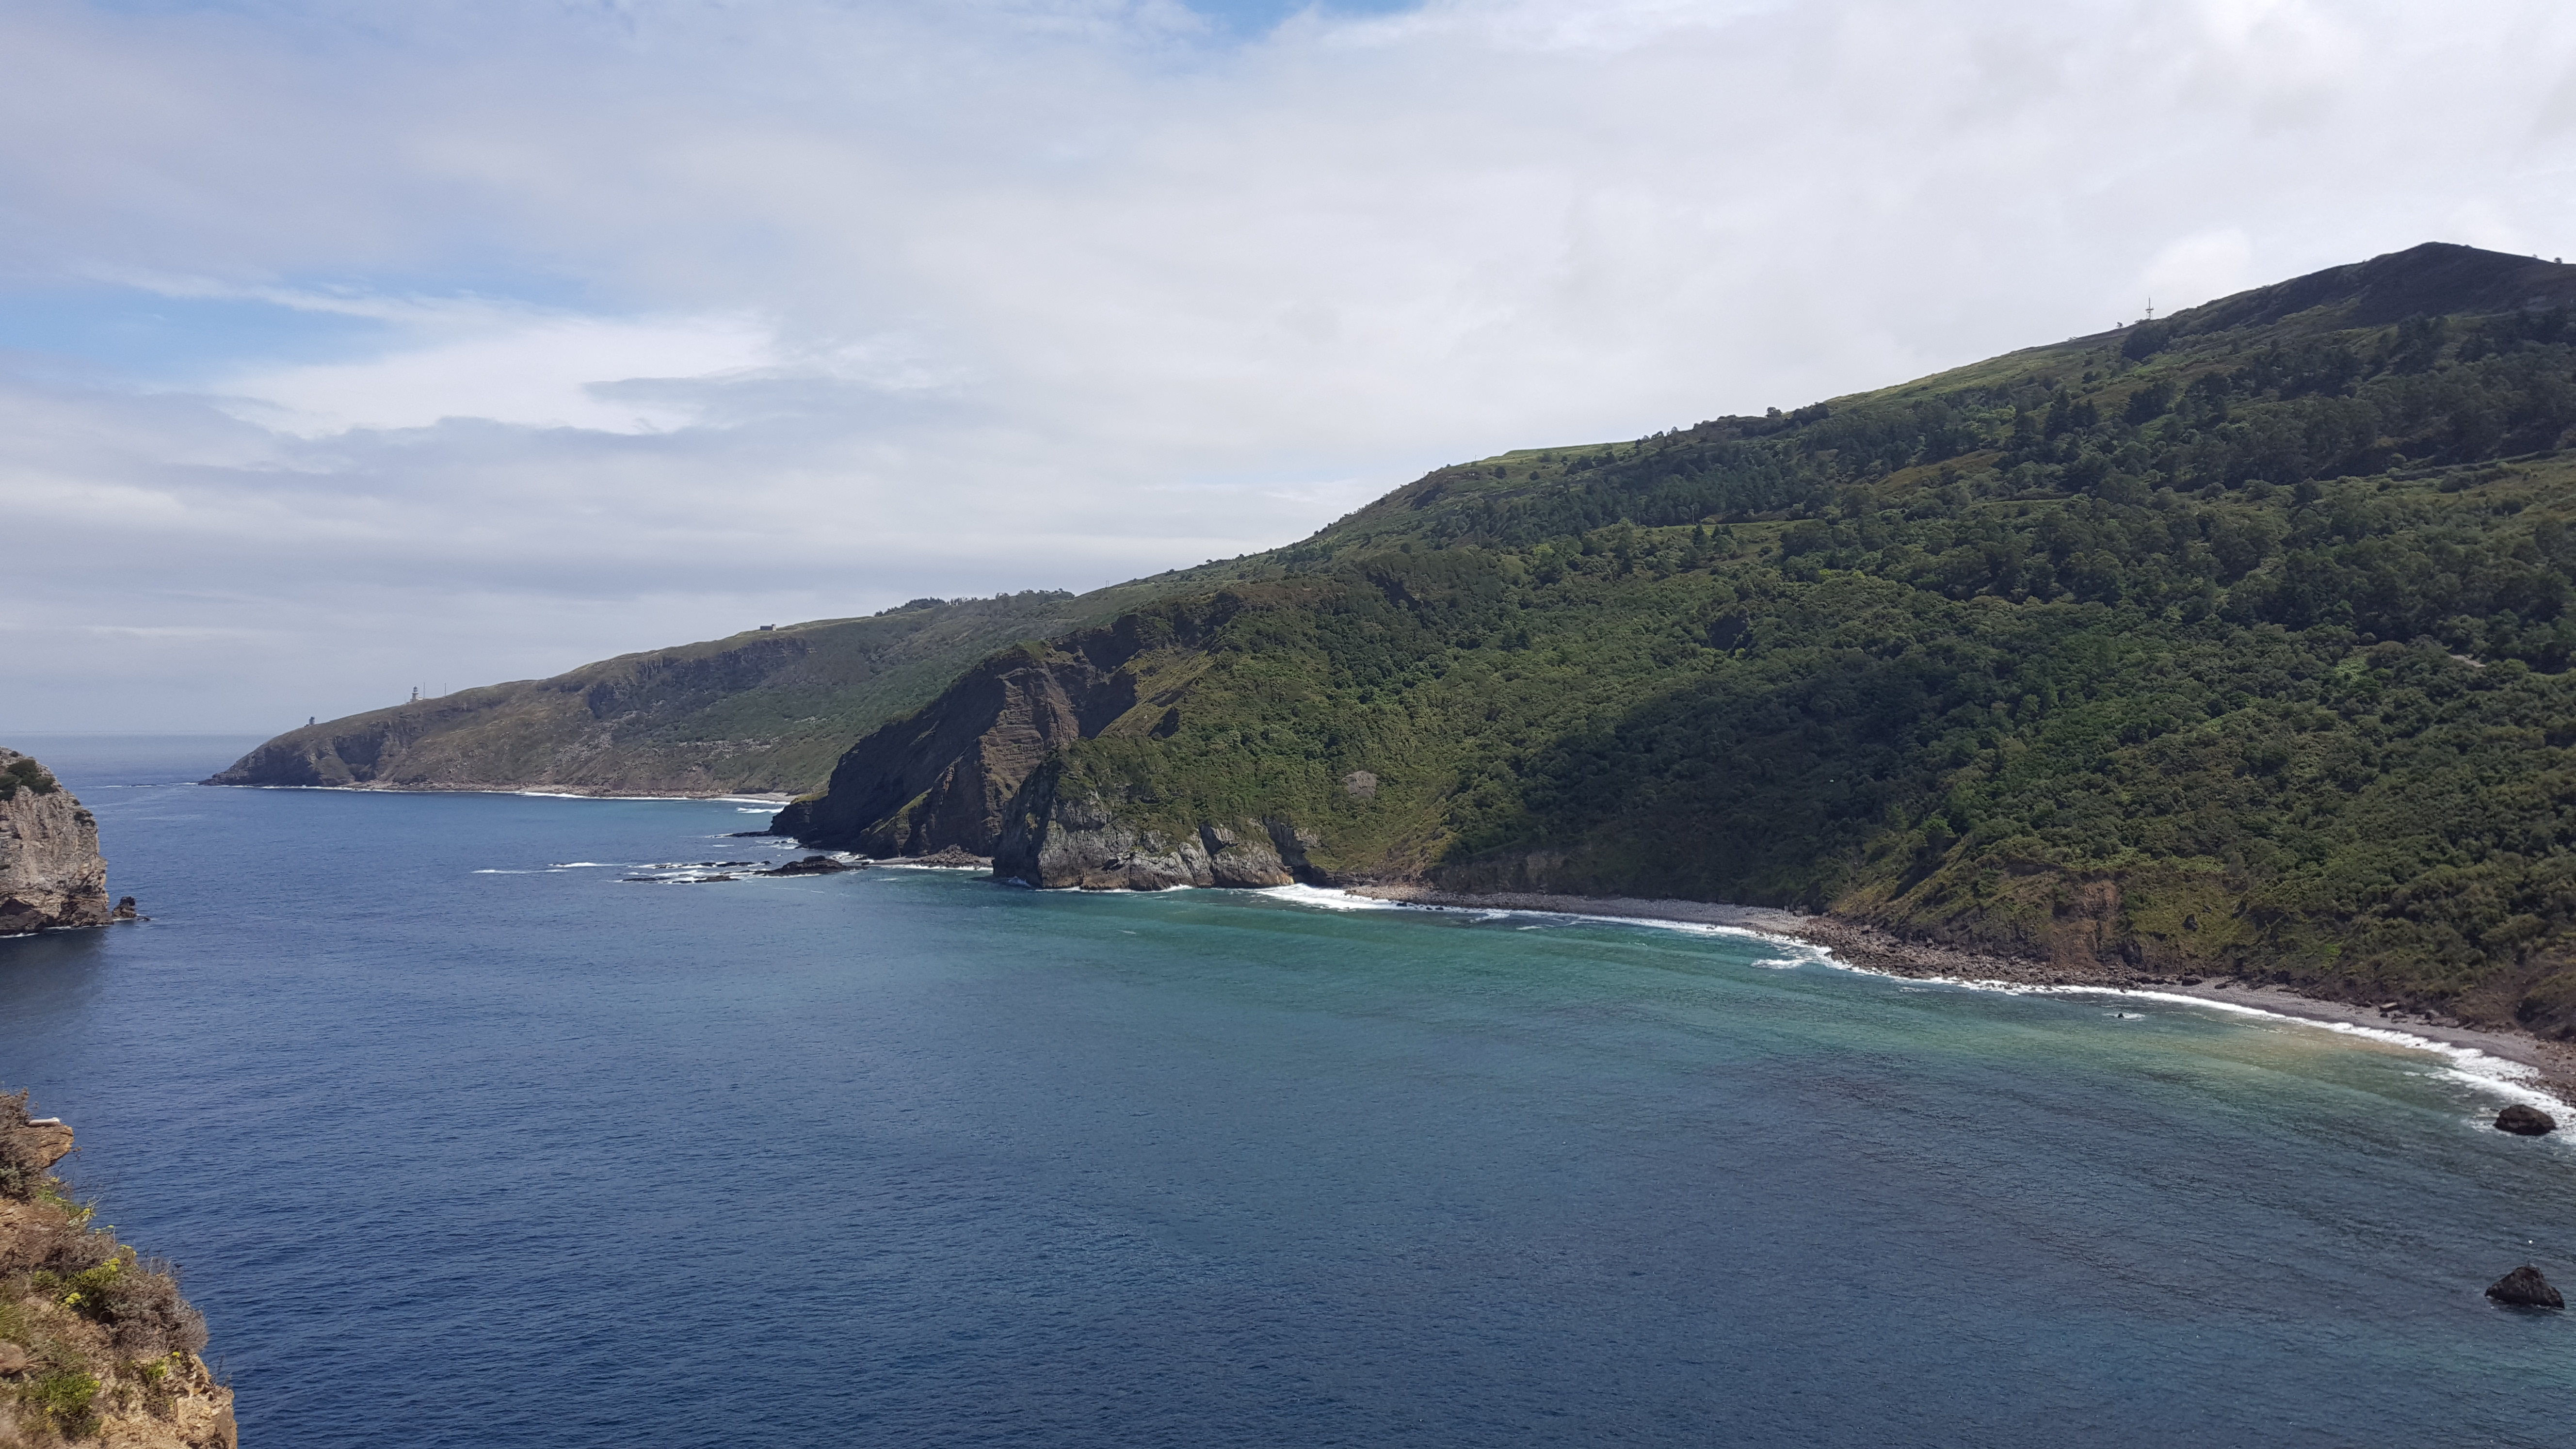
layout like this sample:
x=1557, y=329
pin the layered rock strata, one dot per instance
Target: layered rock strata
x=51, y=874
x=1052, y=842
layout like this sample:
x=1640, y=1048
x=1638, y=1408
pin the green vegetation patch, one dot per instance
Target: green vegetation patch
x=2238, y=643
x=23, y=773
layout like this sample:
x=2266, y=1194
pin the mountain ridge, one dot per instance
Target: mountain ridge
x=764, y=711
x=2235, y=643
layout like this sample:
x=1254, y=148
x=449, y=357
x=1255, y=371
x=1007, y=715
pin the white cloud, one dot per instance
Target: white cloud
x=1540, y=25
x=2196, y=268
x=681, y=315
x=542, y=372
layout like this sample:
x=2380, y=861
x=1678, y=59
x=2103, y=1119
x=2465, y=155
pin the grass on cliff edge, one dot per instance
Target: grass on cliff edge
x=104, y=1331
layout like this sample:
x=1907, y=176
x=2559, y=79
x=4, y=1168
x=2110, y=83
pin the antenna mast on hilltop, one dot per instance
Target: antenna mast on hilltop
x=2151, y=309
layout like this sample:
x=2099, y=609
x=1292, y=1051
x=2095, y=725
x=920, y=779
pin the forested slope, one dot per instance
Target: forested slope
x=2233, y=642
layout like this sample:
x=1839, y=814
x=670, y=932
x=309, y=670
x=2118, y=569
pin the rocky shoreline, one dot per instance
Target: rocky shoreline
x=1871, y=949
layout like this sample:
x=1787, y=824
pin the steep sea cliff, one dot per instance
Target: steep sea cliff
x=51, y=874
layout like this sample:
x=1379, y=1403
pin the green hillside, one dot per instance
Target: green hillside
x=763, y=711
x=2233, y=642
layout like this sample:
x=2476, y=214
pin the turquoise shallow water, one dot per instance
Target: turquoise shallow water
x=461, y=1144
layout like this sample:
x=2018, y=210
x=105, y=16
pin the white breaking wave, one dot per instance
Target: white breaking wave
x=1330, y=899
x=2482, y=1071
x=1326, y=899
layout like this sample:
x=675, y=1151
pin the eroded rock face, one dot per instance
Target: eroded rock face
x=1055, y=841
x=2525, y=1121
x=943, y=778
x=947, y=774
x=2525, y=1288
x=51, y=874
x=32, y=1144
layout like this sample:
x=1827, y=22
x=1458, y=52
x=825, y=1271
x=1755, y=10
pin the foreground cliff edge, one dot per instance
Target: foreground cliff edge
x=96, y=1345
x=51, y=874
x=2233, y=645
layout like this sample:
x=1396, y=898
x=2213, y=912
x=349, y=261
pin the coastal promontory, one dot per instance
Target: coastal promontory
x=51, y=874
x=2237, y=643
x=765, y=711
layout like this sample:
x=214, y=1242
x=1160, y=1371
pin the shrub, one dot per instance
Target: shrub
x=24, y=773
x=68, y=1399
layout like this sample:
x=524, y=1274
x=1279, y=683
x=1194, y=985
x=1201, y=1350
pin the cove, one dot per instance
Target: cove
x=465, y=1139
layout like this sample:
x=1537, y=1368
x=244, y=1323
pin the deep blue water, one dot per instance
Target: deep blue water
x=547, y=1157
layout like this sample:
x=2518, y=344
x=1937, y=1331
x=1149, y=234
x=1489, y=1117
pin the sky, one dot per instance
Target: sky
x=347, y=348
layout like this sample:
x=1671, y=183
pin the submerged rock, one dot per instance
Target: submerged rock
x=813, y=865
x=2525, y=1288
x=2525, y=1121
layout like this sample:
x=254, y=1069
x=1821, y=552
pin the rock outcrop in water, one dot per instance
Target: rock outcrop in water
x=95, y=1341
x=51, y=874
x=814, y=865
x=2525, y=1121
x=2524, y=1287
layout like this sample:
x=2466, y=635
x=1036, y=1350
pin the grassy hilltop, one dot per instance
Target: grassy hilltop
x=2237, y=641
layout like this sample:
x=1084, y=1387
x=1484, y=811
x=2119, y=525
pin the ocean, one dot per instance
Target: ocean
x=465, y=1135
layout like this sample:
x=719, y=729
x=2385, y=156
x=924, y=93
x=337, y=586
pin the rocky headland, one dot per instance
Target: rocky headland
x=2057, y=669
x=96, y=1345
x=763, y=712
x=51, y=874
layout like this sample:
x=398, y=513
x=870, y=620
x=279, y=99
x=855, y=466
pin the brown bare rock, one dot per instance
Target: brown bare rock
x=29, y=1147
x=51, y=874
x=2525, y=1121
x=2525, y=1288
